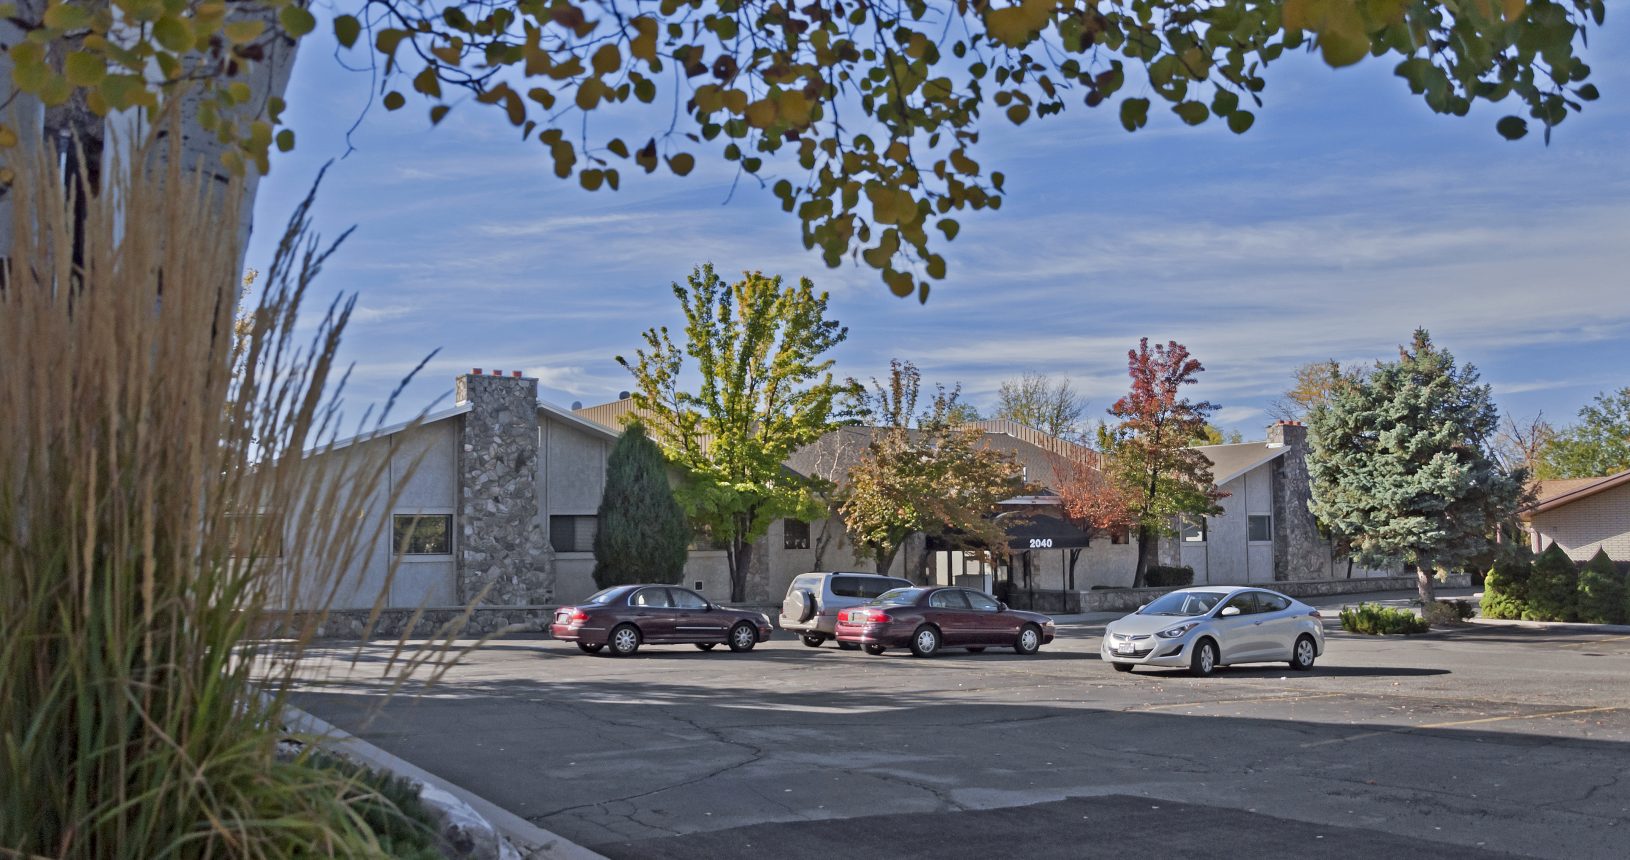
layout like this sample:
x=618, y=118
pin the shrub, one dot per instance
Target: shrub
x=1374, y=619
x=1601, y=597
x=1163, y=576
x=1440, y=612
x=1553, y=587
x=643, y=534
x=1505, y=590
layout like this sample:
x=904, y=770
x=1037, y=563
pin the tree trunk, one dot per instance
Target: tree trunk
x=1426, y=581
x=1148, y=547
x=740, y=558
x=883, y=557
x=1075, y=556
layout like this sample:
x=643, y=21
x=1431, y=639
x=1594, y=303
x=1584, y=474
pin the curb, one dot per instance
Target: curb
x=1563, y=626
x=533, y=842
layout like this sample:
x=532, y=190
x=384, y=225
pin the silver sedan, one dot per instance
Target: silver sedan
x=1209, y=626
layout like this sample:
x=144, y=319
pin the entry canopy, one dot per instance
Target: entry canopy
x=1040, y=531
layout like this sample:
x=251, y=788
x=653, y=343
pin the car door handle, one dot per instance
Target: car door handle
x=1258, y=624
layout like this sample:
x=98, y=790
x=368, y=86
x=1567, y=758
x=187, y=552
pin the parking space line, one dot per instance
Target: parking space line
x=1456, y=724
x=1290, y=698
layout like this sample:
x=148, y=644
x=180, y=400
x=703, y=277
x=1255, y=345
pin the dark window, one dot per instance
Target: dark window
x=1245, y=603
x=1261, y=527
x=572, y=533
x=865, y=586
x=900, y=597
x=1194, y=530
x=257, y=535
x=1120, y=536
x=794, y=534
x=949, y=598
x=684, y=598
x=651, y=597
x=1271, y=602
x=981, y=602
x=423, y=534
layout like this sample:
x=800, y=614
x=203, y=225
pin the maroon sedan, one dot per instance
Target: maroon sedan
x=928, y=619
x=628, y=616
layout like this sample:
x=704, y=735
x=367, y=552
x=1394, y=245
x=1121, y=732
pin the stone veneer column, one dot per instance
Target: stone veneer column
x=501, y=543
x=1299, y=551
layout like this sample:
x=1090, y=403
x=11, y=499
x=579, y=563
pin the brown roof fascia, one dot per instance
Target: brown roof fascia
x=1606, y=483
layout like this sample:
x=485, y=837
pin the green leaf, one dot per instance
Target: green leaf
x=1192, y=113
x=346, y=29
x=438, y=113
x=296, y=20
x=285, y=140
x=68, y=16
x=1240, y=121
x=1511, y=127
x=681, y=163
x=1134, y=114
x=85, y=69
x=394, y=100
x=173, y=34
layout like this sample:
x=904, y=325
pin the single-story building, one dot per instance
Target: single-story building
x=1583, y=516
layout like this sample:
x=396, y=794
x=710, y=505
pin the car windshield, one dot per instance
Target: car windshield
x=898, y=597
x=1183, y=603
x=607, y=595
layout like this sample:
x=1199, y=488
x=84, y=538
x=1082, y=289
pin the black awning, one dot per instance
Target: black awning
x=1040, y=531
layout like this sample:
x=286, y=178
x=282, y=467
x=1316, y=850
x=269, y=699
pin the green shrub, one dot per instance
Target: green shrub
x=1446, y=612
x=1375, y=619
x=1601, y=591
x=1162, y=576
x=1553, y=587
x=1505, y=590
x=643, y=534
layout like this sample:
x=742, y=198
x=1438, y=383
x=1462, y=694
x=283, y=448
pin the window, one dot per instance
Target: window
x=1271, y=602
x=1245, y=603
x=794, y=534
x=1261, y=527
x=1194, y=530
x=572, y=533
x=686, y=599
x=866, y=587
x=950, y=598
x=981, y=602
x=651, y=597
x=1120, y=535
x=423, y=534
x=258, y=535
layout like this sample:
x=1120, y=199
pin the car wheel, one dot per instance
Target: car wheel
x=624, y=640
x=875, y=650
x=803, y=606
x=588, y=648
x=977, y=649
x=743, y=637
x=1029, y=640
x=847, y=646
x=812, y=640
x=1204, y=661
x=705, y=646
x=1122, y=667
x=1303, y=653
x=925, y=642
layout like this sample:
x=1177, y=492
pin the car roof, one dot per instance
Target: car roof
x=853, y=573
x=1228, y=589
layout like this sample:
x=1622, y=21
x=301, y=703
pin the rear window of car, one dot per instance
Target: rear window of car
x=899, y=597
x=866, y=587
x=607, y=595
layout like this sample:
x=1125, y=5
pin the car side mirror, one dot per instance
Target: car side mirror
x=1229, y=611
x=1000, y=606
x=1142, y=606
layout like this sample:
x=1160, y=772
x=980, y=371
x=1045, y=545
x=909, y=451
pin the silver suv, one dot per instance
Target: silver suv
x=814, y=600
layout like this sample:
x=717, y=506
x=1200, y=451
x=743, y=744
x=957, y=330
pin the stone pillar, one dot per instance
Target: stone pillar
x=501, y=543
x=1299, y=551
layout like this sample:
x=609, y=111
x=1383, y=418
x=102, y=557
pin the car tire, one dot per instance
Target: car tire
x=1303, y=653
x=847, y=646
x=812, y=640
x=1029, y=641
x=624, y=640
x=1122, y=667
x=875, y=650
x=1204, y=661
x=977, y=649
x=925, y=642
x=705, y=646
x=743, y=637
x=589, y=647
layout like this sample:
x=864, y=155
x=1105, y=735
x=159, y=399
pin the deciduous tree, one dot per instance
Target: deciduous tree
x=1524, y=446
x=923, y=473
x=863, y=119
x=642, y=534
x=1599, y=444
x=766, y=390
x=1315, y=382
x=1040, y=401
x=1400, y=463
x=1149, y=457
x=1090, y=500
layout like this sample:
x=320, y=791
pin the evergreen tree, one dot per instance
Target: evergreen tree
x=1553, y=587
x=643, y=533
x=1401, y=467
x=1601, y=591
x=1505, y=589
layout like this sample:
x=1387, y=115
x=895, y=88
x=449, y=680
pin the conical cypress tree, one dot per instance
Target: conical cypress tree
x=1601, y=591
x=1553, y=587
x=642, y=532
x=1505, y=590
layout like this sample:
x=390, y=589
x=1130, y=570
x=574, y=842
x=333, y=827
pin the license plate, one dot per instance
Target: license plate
x=1124, y=648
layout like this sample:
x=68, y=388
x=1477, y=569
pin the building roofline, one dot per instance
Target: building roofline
x=388, y=430
x=1607, y=482
x=578, y=421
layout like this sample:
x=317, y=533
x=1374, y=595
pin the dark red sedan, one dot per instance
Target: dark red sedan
x=628, y=616
x=929, y=619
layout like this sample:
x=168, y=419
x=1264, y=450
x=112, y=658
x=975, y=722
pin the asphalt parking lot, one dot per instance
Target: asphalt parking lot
x=1482, y=741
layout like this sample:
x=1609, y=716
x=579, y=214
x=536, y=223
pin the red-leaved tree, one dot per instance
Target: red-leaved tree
x=1089, y=499
x=1147, y=454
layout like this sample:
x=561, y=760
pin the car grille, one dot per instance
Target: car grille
x=1142, y=644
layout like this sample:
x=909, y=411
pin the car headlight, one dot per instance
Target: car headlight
x=1174, y=632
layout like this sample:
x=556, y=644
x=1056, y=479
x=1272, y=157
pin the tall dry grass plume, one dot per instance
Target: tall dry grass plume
x=153, y=515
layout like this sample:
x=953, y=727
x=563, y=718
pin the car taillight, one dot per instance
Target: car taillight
x=877, y=616
x=1314, y=613
x=579, y=615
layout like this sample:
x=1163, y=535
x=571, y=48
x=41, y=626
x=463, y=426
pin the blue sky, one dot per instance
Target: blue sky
x=1349, y=215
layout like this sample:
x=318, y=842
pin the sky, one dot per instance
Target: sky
x=1347, y=217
